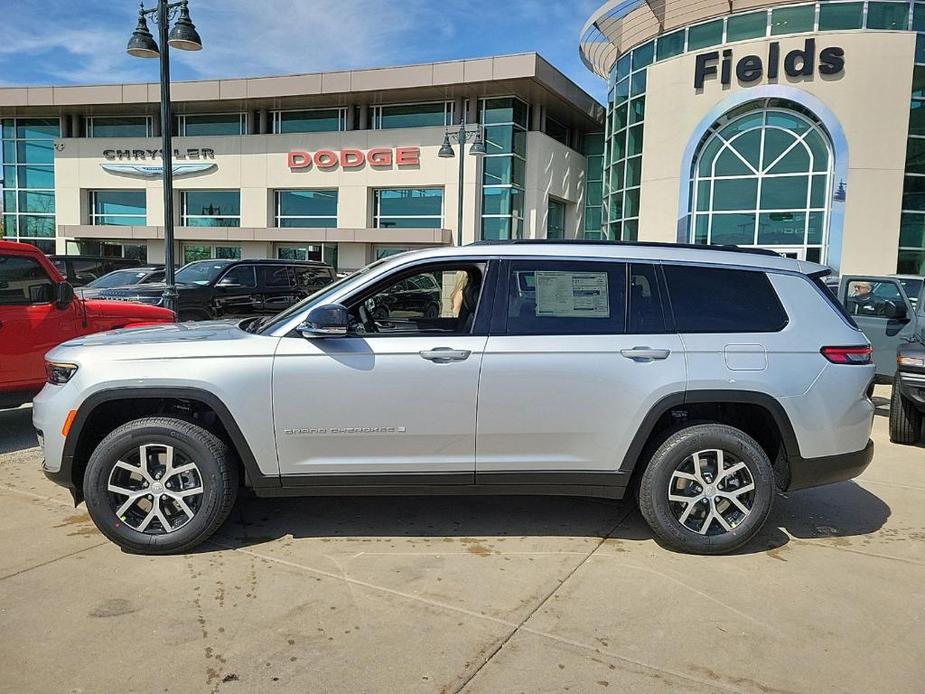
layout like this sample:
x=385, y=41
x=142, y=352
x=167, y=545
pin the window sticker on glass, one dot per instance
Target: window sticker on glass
x=572, y=294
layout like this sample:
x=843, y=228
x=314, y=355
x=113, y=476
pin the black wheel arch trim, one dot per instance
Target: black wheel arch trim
x=696, y=397
x=64, y=476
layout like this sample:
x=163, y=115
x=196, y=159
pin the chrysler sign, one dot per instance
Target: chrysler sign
x=347, y=159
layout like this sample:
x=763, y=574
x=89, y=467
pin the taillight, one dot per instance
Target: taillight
x=848, y=355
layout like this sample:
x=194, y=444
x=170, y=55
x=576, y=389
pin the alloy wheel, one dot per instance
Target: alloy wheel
x=711, y=492
x=155, y=489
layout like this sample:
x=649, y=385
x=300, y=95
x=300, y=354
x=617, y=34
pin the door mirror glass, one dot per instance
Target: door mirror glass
x=325, y=321
x=64, y=294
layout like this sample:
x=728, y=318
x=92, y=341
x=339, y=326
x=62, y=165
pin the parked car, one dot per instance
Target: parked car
x=38, y=310
x=79, y=270
x=209, y=289
x=123, y=278
x=690, y=374
x=880, y=306
x=908, y=399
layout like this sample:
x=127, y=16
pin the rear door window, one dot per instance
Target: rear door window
x=241, y=276
x=275, y=276
x=311, y=278
x=645, y=315
x=723, y=300
x=566, y=298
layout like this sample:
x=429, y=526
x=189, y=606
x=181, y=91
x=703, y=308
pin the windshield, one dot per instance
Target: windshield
x=119, y=278
x=201, y=272
x=317, y=298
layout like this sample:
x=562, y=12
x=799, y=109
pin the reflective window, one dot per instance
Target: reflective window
x=211, y=208
x=306, y=208
x=413, y=115
x=555, y=219
x=118, y=207
x=705, y=35
x=118, y=126
x=645, y=304
x=557, y=131
x=408, y=208
x=506, y=110
x=566, y=298
x=239, y=276
x=841, y=15
x=792, y=20
x=721, y=300
x=670, y=45
x=504, y=165
x=23, y=281
x=315, y=121
x=29, y=180
x=763, y=178
x=443, y=299
x=210, y=124
x=751, y=25
x=888, y=15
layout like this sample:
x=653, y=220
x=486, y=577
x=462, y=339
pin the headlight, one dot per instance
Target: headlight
x=58, y=373
x=910, y=361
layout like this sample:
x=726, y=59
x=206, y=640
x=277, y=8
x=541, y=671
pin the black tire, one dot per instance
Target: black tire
x=217, y=470
x=905, y=419
x=674, y=454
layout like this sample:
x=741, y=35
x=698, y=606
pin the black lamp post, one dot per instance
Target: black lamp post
x=142, y=45
x=462, y=136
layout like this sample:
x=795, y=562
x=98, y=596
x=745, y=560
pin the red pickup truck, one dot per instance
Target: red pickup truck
x=38, y=311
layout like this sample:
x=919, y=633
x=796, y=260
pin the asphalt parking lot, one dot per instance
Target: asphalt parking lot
x=467, y=594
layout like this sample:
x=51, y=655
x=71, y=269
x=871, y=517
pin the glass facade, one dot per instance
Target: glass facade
x=504, y=167
x=555, y=219
x=118, y=207
x=28, y=156
x=626, y=118
x=201, y=125
x=306, y=208
x=314, y=121
x=437, y=113
x=119, y=126
x=592, y=147
x=205, y=251
x=211, y=208
x=408, y=208
x=762, y=177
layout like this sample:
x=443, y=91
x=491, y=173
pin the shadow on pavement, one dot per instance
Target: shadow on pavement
x=16, y=432
x=839, y=510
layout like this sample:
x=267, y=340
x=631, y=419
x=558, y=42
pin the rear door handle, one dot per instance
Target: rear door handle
x=444, y=355
x=645, y=353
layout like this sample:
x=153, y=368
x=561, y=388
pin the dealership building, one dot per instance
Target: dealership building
x=340, y=166
x=794, y=126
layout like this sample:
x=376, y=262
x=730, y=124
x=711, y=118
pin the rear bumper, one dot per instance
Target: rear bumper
x=814, y=472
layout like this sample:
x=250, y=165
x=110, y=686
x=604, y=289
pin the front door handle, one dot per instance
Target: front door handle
x=645, y=353
x=444, y=355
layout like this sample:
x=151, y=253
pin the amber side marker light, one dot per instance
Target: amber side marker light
x=68, y=421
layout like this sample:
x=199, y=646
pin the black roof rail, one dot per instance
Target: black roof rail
x=642, y=244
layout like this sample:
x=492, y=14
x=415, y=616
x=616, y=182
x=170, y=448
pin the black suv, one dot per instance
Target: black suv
x=83, y=269
x=210, y=289
x=908, y=399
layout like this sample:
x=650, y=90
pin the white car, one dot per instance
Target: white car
x=702, y=378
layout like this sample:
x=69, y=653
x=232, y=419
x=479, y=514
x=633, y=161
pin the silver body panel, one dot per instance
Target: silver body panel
x=373, y=404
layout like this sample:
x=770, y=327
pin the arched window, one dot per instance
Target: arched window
x=762, y=176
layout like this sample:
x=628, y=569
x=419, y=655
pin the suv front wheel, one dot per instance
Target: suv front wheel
x=160, y=485
x=707, y=489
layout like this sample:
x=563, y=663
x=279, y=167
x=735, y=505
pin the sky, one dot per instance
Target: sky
x=46, y=42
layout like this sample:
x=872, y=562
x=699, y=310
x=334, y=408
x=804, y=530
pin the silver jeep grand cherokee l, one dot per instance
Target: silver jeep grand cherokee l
x=702, y=379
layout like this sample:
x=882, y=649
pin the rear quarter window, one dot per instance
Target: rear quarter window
x=723, y=300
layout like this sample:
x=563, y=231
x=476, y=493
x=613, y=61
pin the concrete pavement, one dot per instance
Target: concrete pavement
x=496, y=594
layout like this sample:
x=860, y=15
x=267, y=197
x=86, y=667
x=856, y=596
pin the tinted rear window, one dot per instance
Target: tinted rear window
x=721, y=300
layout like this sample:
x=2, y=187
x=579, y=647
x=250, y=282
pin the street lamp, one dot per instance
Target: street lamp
x=142, y=45
x=462, y=136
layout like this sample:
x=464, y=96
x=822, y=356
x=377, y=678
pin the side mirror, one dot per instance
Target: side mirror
x=325, y=321
x=894, y=310
x=64, y=294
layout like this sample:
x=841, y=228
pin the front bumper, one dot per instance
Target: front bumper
x=912, y=385
x=814, y=472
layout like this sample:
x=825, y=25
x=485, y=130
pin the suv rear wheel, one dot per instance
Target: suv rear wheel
x=707, y=489
x=160, y=485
